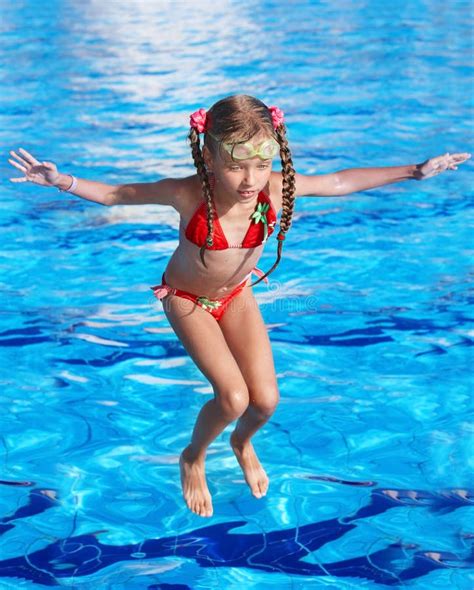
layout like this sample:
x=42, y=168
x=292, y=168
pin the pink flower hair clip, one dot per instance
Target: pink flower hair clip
x=198, y=120
x=277, y=116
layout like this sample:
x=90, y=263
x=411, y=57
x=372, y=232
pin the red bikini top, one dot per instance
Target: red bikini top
x=196, y=230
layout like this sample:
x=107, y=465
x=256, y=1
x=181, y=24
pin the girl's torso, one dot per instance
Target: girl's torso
x=228, y=266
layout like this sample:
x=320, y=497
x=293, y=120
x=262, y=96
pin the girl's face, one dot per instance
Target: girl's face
x=240, y=179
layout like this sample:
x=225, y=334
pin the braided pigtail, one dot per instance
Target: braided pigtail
x=205, y=186
x=288, y=194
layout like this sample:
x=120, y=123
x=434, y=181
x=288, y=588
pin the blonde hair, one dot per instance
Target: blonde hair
x=236, y=119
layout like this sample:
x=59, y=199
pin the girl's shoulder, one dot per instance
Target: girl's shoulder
x=188, y=195
x=275, y=189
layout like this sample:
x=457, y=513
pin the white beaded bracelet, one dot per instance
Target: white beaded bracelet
x=71, y=188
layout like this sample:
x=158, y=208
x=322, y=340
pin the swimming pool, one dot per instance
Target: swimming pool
x=369, y=453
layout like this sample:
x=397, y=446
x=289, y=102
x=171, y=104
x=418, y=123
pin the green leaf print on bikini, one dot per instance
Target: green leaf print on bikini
x=260, y=215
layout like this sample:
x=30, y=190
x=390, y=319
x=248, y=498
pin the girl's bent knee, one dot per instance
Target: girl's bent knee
x=233, y=403
x=266, y=403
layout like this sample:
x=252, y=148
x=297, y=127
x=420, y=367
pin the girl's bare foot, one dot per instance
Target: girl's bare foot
x=254, y=473
x=193, y=481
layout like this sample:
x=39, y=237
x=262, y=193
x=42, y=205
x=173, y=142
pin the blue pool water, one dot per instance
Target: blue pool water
x=370, y=451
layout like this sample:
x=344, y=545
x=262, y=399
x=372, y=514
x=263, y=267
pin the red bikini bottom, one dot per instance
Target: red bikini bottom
x=216, y=307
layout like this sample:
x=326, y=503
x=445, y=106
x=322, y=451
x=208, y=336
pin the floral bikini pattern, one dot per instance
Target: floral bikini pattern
x=208, y=304
x=260, y=216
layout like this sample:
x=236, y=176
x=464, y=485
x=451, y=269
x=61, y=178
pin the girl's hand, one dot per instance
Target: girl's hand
x=43, y=173
x=435, y=166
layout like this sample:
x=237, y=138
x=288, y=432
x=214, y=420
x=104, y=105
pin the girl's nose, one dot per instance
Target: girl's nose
x=249, y=178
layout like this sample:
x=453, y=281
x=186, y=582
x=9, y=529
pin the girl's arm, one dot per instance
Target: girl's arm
x=162, y=192
x=352, y=180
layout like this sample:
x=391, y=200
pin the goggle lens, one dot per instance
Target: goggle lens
x=269, y=148
x=242, y=151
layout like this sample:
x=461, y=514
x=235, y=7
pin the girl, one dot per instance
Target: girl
x=227, y=212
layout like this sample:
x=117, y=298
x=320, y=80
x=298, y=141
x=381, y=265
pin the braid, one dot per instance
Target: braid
x=205, y=186
x=288, y=194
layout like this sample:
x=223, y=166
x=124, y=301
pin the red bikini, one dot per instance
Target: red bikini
x=196, y=232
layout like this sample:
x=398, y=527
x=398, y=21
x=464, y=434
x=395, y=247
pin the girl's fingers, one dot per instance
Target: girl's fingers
x=461, y=157
x=449, y=161
x=13, y=163
x=19, y=158
x=23, y=179
x=31, y=159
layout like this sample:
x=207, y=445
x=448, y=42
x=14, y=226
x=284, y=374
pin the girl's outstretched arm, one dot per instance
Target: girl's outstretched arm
x=353, y=180
x=162, y=192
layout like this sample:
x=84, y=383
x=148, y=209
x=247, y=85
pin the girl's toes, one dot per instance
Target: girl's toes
x=256, y=491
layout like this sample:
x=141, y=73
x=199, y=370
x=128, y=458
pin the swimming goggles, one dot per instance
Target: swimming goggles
x=267, y=150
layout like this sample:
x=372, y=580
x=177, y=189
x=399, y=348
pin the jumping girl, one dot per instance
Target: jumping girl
x=227, y=212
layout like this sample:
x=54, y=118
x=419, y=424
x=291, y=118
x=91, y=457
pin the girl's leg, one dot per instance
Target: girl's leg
x=202, y=338
x=247, y=338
